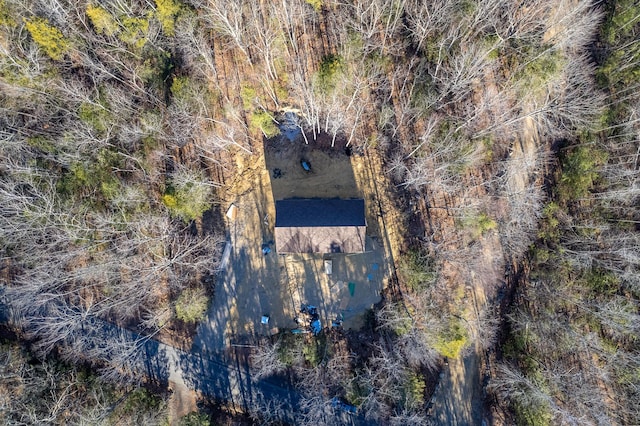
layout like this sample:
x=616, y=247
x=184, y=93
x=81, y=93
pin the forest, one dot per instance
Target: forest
x=503, y=139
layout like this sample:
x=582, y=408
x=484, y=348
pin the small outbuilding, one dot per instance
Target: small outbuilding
x=314, y=225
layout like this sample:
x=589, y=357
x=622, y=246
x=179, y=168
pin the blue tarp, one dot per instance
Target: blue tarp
x=316, y=327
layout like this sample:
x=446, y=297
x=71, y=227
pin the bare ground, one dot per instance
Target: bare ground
x=255, y=285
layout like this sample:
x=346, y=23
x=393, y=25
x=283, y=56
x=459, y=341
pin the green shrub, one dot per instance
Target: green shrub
x=47, y=37
x=264, y=121
x=167, y=11
x=248, y=95
x=479, y=224
x=140, y=400
x=315, y=350
x=102, y=20
x=622, y=22
x=579, y=172
x=602, y=283
x=195, y=419
x=85, y=181
x=551, y=221
x=417, y=270
x=532, y=414
x=290, y=347
x=317, y=4
x=413, y=391
x=41, y=143
x=331, y=67
x=156, y=68
x=452, y=340
x=187, y=196
x=191, y=306
x=537, y=73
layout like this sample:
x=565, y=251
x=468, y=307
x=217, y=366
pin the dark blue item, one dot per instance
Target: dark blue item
x=337, y=403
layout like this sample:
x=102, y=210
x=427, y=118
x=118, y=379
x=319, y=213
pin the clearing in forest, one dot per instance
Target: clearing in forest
x=255, y=284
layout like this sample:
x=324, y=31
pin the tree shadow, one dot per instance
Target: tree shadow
x=330, y=173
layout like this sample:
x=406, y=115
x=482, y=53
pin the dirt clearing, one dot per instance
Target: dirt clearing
x=275, y=285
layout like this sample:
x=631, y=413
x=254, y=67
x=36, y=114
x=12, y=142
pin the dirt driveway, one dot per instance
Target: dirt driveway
x=254, y=284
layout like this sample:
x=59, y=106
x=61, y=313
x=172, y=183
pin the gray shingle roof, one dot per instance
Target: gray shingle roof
x=316, y=212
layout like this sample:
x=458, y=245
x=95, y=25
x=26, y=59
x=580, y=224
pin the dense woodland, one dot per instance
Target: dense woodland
x=509, y=129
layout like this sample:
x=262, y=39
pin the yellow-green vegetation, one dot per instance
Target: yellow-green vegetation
x=135, y=31
x=102, y=20
x=181, y=87
x=263, y=121
x=413, y=390
x=47, y=37
x=6, y=15
x=168, y=11
x=94, y=183
x=95, y=115
x=192, y=304
x=317, y=4
x=478, y=224
x=452, y=340
x=248, y=95
x=188, y=197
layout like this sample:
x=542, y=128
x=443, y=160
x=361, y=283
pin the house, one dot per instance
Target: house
x=313, y=225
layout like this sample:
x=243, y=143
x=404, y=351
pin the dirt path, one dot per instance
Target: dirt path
x=459, y=398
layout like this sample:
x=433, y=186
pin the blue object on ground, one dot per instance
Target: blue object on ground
x=316, y=327
x=370, y=277
x=306, y=166
x=374, y=266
